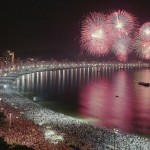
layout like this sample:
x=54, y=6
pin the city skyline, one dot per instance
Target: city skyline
x=51, y=29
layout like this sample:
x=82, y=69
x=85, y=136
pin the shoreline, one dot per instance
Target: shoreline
x=33, y=115
x=72, y=131
x=43, y=104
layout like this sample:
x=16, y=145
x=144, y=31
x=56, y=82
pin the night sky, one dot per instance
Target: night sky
x=51, y=28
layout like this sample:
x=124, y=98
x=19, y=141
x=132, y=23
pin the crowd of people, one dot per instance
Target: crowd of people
x=18, y=130
x=67, y=131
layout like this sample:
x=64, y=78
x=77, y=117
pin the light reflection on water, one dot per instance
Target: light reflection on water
x=112, y=96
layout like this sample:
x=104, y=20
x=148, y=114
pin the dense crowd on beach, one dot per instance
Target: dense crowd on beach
x=61, y=130
x=18, y=130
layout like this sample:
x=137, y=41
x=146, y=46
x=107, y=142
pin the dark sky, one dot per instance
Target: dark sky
x=51, y=28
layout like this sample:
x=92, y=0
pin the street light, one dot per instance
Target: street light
x=10, y=116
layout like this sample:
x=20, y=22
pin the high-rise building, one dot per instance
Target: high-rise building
x=12, y=58
x=8, y=58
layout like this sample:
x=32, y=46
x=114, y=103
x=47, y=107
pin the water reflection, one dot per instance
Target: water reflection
x=112, y=96
x=57, y=85
x=119, y=102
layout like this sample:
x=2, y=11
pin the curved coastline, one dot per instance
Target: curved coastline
x=73, y=131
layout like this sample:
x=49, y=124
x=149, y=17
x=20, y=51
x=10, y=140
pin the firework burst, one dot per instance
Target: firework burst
x=142, y=43
x=143, y=48
x=122, y=47
x=144, y=32
x=121, y=22
x=95, y=35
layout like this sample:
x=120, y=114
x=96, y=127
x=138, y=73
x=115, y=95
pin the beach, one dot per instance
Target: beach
x=59, y=129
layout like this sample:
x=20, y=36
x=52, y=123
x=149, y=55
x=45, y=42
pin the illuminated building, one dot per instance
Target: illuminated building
x=8, y=57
